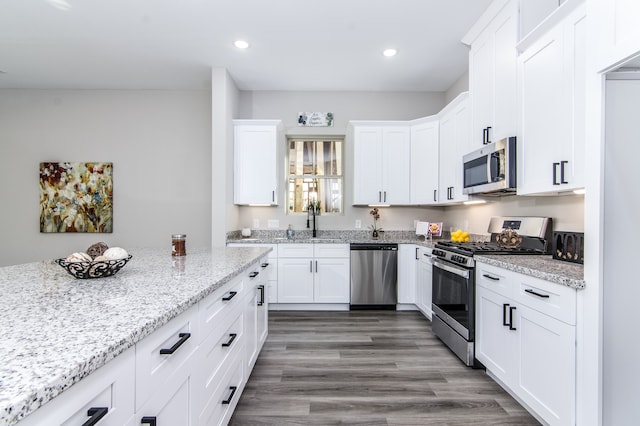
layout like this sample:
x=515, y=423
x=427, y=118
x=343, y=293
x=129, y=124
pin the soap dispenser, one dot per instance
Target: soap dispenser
x=290, y=233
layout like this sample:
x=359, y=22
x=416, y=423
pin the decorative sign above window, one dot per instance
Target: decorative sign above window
x=315, y=119
x=76, y=197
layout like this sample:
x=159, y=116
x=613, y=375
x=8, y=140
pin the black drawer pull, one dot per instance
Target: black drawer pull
x=96, y=413
x=230, y=296
x=490, y=277
x=233, y=392
x=261, y=301
x=535, y=293
x=511, y=309
x=183, y=338
x=264, y=265
x=151, y=421
x=504, y=315
x=253, y=274
x=232, y=337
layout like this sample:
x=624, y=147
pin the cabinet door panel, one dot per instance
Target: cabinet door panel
x=407, y=272
x=331, y=281
x=367, y=165
x=495, y=343
x=546, y=349
x=396, y=163
x=424, y=163
x=256, y=162
x=295, y=280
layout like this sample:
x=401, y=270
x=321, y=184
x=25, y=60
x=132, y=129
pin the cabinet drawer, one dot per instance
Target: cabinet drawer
x=331, y=250
x=495, y=279
x=154, y=368
x=219, y=304
x=224, y=399
x=552, y=299
x=218, y=349
x=295, y=250
x=111, y=387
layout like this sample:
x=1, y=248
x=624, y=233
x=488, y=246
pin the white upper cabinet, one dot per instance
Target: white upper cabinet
x=551, y=88
x=616, y=23
x=424, y=161
x=257, y=145
x=455, y=141
x=492, y=73
x=381, y=166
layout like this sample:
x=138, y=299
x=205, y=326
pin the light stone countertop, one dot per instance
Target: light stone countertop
x=57, y=329
x=544, y=267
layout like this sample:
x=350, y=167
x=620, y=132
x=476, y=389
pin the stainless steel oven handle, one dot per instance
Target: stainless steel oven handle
x=454, y=270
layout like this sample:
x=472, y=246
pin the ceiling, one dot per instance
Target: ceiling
x=294, y=45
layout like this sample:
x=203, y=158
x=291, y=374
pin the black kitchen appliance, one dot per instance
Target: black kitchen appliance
x=453, y=288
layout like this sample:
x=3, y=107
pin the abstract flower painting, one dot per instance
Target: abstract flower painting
x=76, y=197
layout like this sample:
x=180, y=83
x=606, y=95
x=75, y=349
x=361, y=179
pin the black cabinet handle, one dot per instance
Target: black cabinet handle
x=562, y=164
x=95, y=414
x=490, y=277
x=233, y=392
x=264, y=265
x=230, y=296
x=273, y=196
x=316, y=266
x=232, y=337
x=311, y=266
x=416, y=253
x=183, y=338
x=535, y=293
x=379, y=196
x=261, y=300
x=253, y=274
x=385, y=196
x=151, y=421
x=555, y=173
x=511, y=309
x=504, y=314
x=488, y=135
x=435, y=195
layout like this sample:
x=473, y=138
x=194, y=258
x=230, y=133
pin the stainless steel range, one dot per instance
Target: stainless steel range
x=453, y=294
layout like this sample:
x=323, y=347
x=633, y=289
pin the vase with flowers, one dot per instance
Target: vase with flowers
x=375, y=231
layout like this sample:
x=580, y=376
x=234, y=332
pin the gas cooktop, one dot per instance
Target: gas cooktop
x=484, y=247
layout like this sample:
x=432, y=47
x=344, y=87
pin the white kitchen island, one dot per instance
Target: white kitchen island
x=58, y=331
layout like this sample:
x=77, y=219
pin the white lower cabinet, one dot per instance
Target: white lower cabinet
x=526, y=337
x=108, y=394
x=313, y=273
x=424, y=281
x=407, y=273
x=190, y=371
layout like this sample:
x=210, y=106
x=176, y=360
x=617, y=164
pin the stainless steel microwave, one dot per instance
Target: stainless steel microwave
x=491, y=169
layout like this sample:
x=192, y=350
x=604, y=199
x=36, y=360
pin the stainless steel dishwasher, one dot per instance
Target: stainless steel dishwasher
x=374, y=276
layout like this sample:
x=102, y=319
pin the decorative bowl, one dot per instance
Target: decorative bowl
x=509, y=239
x=94, y=269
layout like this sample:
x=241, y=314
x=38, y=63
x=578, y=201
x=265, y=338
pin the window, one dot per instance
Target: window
x=315, y=174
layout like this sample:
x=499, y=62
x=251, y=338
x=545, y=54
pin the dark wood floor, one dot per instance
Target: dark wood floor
x=369, y=368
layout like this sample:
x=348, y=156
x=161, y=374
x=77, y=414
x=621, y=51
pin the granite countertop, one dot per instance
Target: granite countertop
x=543, y=267
x=332, y=237
x=58, y=329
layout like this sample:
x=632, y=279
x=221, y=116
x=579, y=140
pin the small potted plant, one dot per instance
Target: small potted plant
x=374, y=228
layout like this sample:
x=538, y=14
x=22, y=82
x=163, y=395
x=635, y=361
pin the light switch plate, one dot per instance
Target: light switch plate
x=256, y=223
x=358, y=224
x=273, y=223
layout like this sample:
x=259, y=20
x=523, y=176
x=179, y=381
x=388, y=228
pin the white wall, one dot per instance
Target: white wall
x=459, y=86
x=567, y=212
x=345, y=106
x=160, y=146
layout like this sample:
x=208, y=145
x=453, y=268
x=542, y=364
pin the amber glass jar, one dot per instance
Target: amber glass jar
x=179, y=244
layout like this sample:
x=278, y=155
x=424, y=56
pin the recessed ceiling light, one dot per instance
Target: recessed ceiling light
x=389, y=52
x=241, y=44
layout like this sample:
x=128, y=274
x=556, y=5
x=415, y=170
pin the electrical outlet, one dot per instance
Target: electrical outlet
x=256, y=223
x=358, y=224
x=273, y=223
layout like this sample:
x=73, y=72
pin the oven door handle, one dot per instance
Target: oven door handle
x=457, y=271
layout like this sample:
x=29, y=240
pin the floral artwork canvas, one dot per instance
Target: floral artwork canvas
x=76, y=197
